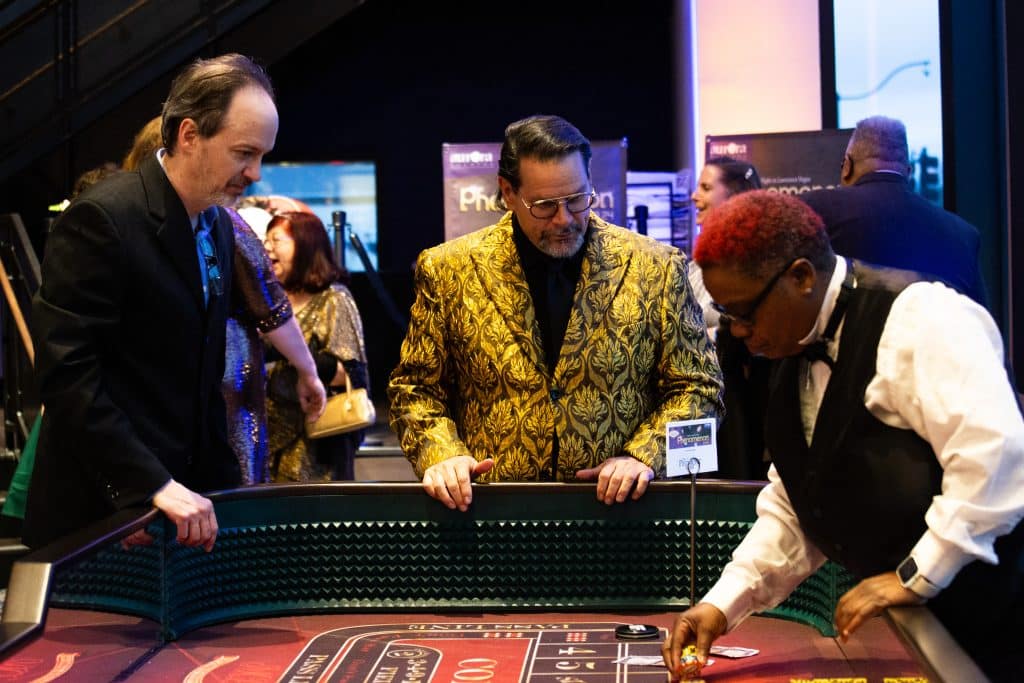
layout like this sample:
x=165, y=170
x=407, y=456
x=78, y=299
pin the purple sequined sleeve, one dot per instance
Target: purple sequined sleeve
x=258, y=297
x=258, y=304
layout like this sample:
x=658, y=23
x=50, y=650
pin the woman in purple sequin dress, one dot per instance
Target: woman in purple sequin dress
x=259, y=304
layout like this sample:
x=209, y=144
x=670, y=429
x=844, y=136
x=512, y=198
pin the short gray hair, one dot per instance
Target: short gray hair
x=881, y=138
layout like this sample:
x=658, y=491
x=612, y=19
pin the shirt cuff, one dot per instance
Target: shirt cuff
x=731, y=595
x=937, y=561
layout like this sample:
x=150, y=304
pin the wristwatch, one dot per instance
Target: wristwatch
x=914, y=581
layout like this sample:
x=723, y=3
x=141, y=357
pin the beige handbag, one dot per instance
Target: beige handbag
x=345, y=412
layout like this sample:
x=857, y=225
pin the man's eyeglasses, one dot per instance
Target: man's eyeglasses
x=206, y=248
x=748, y=317
x=547, y=208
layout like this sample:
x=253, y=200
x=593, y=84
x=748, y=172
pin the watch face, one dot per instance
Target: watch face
x=907, y=570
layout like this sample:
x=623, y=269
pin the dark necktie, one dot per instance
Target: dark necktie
x=209, y=267
x=560, y=291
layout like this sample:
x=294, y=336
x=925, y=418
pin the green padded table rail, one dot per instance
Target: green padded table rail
x=295, y=549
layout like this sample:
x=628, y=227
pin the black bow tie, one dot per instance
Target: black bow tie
x=818, y=351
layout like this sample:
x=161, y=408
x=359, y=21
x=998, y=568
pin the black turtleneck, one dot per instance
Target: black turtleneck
x=552, y=282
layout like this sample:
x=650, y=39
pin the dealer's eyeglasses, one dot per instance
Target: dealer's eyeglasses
x=206, y=248
x=547, y=208
x=747, y=318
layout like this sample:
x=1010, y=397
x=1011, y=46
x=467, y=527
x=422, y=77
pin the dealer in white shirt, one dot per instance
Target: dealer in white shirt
x=898, y=452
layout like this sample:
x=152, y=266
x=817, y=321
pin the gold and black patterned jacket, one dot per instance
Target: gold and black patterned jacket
x=471, y=378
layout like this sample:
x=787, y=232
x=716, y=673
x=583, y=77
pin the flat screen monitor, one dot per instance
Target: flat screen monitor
x=328, y=186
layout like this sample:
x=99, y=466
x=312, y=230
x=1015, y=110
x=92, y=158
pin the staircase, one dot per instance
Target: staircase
x=66, y=63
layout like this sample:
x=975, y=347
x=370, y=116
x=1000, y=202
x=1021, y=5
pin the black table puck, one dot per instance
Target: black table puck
x=636, y=631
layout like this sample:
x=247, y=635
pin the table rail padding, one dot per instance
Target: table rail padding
x=294, y=549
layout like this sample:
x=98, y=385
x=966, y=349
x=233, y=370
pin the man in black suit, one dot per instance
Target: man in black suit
x=876, y=217
x=129, y=323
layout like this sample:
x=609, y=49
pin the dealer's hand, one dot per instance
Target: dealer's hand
x=451, y=481
x=193, y=514
x=616, y=476
x=868, y=598
x=700, y=625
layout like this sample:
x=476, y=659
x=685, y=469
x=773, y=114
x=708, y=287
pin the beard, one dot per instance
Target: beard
x=217, y=191
x=563, y=243
x=226, y=195
x=222, y=198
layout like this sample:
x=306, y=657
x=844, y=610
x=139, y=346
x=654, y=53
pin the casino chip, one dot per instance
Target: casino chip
x=636, y=631
x=689, y=665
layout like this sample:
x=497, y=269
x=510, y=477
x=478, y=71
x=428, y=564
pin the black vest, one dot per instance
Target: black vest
x=862, y=488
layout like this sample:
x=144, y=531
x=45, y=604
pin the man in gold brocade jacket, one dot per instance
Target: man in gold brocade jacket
x=551, y=345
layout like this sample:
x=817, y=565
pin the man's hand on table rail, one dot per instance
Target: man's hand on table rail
x=451, y=481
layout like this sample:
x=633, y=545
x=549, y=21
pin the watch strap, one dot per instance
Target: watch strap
x=913, y=580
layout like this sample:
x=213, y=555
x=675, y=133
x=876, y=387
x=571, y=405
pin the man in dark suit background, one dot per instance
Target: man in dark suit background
x=129, y=322
x=876, y=217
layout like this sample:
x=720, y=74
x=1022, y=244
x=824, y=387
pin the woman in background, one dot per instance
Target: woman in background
x=740, y=442
x=145, y=143
x=721, y=178
x=302, y=258
x=260, y=311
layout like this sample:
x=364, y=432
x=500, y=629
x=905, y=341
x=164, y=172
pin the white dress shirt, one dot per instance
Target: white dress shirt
x=939, y=371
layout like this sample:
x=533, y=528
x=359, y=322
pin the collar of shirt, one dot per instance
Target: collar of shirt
x=160, y=154
x=536, y=261
x=817, y=375
x=883, y=175
x=827, y=304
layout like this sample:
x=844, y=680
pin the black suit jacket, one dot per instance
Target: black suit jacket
x=880, y=220
x=128, y=358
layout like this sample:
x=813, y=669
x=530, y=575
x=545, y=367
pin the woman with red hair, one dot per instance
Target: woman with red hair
x=301, y=255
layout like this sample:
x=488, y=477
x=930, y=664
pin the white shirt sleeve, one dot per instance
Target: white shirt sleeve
x=700, y=292
x=940, y=372
x=769, y=563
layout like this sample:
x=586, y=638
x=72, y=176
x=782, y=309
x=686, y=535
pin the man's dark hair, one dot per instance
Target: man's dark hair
x=541, y=137
x=203, y=92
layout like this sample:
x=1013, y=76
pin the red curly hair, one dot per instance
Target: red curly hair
x=758, y=230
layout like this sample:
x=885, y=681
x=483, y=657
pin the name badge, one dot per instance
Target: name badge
x=691, y=446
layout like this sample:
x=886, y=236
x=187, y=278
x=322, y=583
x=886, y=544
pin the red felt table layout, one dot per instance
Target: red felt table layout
x=567, y=647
